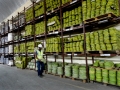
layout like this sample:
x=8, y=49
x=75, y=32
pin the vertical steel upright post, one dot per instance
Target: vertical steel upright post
x=85, y=53
x=92, y=59
x=4, y=39
x=119, y=6
x=45, y=21
x=87, y=68
x=33, y=6
x=8, y=42
x=13, y=44
x=26, y=54
x=71, y=58
x=61, y=24
x=55, y=58
x=18, y=36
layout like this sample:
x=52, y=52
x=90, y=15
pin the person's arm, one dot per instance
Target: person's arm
x=36, y=55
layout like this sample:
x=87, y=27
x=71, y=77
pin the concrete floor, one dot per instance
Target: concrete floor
x=12, y=78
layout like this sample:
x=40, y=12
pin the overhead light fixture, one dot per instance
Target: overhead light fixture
x=33, y=0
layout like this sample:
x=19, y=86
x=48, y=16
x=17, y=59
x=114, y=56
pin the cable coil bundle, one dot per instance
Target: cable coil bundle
x=105, y=76
x=49, y=67
x=92, y=73
x=118, y=78
x=82, y=73
x=99, y=74
x=68, y=70
x=54, y=68
x=112, y=77
x=75, y=71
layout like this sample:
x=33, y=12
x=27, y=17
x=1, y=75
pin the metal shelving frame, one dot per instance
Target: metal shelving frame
x=83, y=27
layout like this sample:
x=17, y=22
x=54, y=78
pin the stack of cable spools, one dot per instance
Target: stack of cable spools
x=106, y=72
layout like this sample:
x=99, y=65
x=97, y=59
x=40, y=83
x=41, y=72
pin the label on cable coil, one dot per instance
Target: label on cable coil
x=40, y=16
x=75, y=54
x=69, y=54
x=67, y=29
x=49, y=24
x=31, y=54
x=73, y=1
x=71, y=28
x=105, y=54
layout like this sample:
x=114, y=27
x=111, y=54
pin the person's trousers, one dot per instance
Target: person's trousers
x=40, y=66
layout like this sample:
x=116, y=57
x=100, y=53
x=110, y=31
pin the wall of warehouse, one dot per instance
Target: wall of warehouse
x=80, y=60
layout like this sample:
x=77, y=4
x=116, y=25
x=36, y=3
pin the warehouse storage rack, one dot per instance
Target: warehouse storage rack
x=5, y=55
x=83, y=27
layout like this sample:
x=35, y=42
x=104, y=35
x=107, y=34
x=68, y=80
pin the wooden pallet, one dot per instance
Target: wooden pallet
x=66, y=77
x=20, y=68
x=29, y=36
x=40, y=34
x=30, y=69
x=53, y=31
x=73, y=27
x=61, y=76
x=55, y=74
x=105, y=84
x=52, y=11
x=84, y=81
x=101, y=17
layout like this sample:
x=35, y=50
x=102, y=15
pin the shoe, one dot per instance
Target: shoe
x=41, y=75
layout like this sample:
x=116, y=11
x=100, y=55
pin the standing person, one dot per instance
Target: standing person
x=39, y=58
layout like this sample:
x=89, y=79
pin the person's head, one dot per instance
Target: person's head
x=40, y=46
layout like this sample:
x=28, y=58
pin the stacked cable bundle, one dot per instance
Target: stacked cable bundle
x=60, y=69
x=52, y=4
x=82, y=72
x=54, y=68
x=75, y=71
x=53, y=44
x=118, y=77
x=99, y=74
x=94, y=8
x=105, y=75
x=112, y=77
x=49, y=65
x=39, y=8
x=92, y=72
x=72, y=17
x=29, y=14
x=107, y=39
x=68, y=70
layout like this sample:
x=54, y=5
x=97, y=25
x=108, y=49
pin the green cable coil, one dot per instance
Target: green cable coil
x=105, y=73
x=112, y=77
x=49, y=65
x=92, y=73
x=82, y=72
x=60, y=70
x=105, y=76
x=101, y=63
x=118, y=78
x=118, y=65
x=96, y=64
x=118, y=73
x=99, y=74
x=54, y=68
x=109, y=64
x=68, y=70
x=75, y=71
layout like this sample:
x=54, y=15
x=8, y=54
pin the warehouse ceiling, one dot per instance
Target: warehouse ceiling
x=7, y=7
